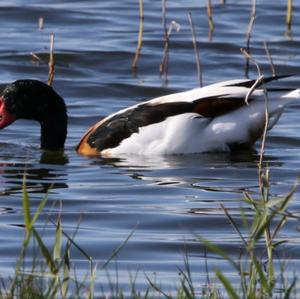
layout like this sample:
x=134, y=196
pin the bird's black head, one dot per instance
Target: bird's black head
x=28, y=99
x=32, y=99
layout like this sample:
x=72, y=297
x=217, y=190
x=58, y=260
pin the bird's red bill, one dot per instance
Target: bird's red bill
x=6, y=118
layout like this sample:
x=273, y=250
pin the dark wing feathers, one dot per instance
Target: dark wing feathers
x=112, y=131
x=218, y=106
x=250, y=83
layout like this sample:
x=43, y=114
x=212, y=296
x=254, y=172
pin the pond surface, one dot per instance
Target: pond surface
x=165, y=200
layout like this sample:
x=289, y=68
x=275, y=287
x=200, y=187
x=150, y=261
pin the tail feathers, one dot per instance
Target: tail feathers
x=274, y=117
x=295, y=94
x=250, y=83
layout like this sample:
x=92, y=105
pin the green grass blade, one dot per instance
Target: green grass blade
x=276, y=202
x=227, y=285
x=57, y=242
x=157, y=288
x=216, y=249
x=187, y=294
x=92, y=283
x=276, y=244
x=234, y=225
x=26, y=206
x=287, y=295
x=71, y=240
x=45, y=252
x=39, y=210
x=260, y=223
x=188, y=276
x=288, y=197
x=262, y=278
x=66, y=271
x=279, y=226
x=117, y=250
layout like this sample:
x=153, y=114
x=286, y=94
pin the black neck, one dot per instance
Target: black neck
x=53, y=133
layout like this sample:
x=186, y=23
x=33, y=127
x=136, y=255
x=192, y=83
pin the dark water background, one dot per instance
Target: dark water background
x=164, y=200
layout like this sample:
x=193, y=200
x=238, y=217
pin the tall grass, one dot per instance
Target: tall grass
x=256, y=269
x=50, y=274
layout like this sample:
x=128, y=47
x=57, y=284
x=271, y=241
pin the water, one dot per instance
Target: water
x=163, y=200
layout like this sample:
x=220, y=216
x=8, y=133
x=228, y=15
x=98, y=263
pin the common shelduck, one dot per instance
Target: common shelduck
x=217, y=117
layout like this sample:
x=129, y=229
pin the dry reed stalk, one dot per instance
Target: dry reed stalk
x=140, y=36
x=163, y=67
x=270, y=59
x=248, y=34
x=263, y=143
x=51, y=61
x=36, y=57
x=289, y=15
x=199, y=70
x=164, y=13
x=251, y=23
x=41, y=23
x=253, y=87
x=210, y=19
x=164, y=62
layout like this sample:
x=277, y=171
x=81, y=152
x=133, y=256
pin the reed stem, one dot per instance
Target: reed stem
x=199, y=69
x=248, y=34
x=51, y=61
x=270, y=59
x=166, y=37
x=140, y=37
x=289, y=15
x=164, y=13
x=210, y=18
x=41, y=23
x=163, y=67
x=35, y=58
x=250, y=25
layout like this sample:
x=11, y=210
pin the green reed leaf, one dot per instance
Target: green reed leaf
x=45, y=252
x=39, y=210
x=227, y=285
x=26, y=206
x=66, y=271
x=58, y=241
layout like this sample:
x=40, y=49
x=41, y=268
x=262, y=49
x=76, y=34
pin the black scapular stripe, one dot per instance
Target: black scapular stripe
x=110, y=133
x=266, y=80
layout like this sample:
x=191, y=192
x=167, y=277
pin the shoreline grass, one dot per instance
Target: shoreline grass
x=48, y=272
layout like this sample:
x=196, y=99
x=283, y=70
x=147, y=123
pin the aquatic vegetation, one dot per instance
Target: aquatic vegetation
x=43, y=272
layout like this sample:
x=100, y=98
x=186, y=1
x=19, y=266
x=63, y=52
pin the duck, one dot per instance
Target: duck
x=219, y=117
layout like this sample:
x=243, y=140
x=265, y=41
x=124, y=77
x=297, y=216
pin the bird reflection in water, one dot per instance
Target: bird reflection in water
x=179, y=169
x=40, y=176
